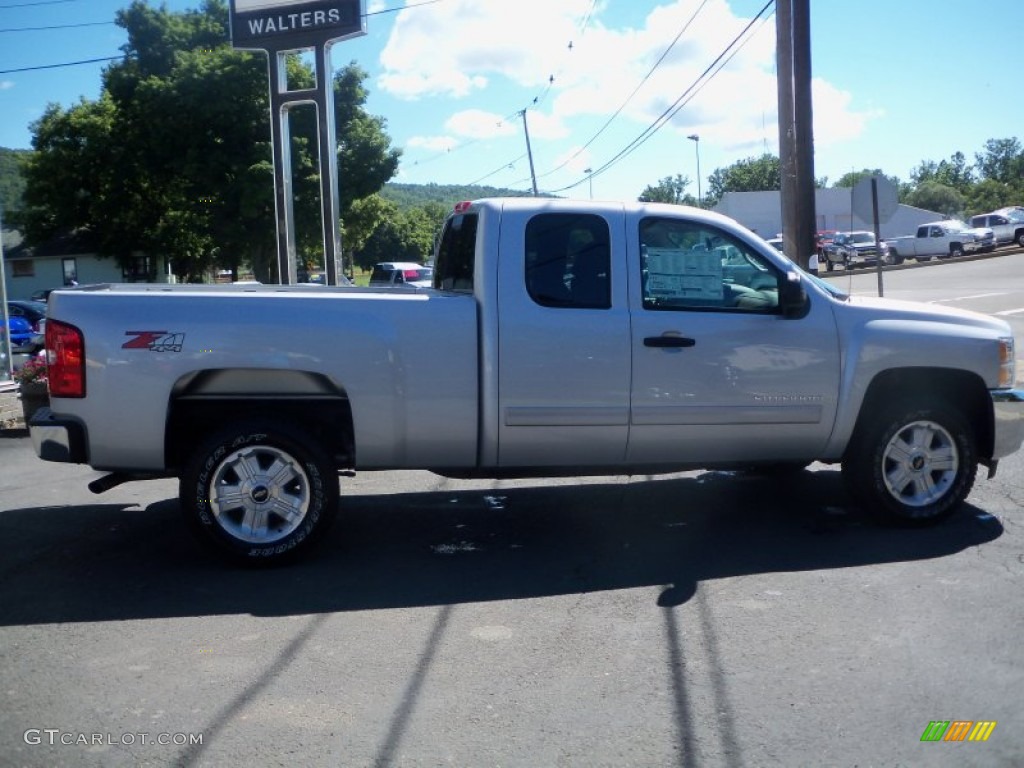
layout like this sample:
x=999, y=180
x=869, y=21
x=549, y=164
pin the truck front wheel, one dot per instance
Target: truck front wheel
x=912, y=465
x=259, y=491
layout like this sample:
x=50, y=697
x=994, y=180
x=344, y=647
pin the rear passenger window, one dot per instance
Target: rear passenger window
x=568, y=260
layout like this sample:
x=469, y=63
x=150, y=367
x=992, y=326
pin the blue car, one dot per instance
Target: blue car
x=25, y=320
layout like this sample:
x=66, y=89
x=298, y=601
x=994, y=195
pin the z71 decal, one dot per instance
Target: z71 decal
x=154, y=341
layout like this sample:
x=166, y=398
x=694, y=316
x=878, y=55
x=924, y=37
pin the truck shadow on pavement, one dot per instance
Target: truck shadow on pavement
x=108, y=562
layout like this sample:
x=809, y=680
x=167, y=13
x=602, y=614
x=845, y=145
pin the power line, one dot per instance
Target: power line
x=58, y=26
x=56, y=66
x=402, y=8
x=538, y=99
x=37, y=2
x=115, y=58
x=629, y=98
x=676, y=106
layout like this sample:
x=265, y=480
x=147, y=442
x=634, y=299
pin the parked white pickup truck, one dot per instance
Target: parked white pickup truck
x=559, y=338
x=940, y=238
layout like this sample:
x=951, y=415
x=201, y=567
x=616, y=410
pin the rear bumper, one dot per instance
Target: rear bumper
x=1008, y=413
x=57, y=439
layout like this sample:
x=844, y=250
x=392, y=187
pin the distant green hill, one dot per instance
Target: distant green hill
x=415, y=195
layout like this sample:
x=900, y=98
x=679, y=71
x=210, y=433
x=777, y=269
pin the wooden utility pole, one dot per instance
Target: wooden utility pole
x=796, y=132
x=529, y=153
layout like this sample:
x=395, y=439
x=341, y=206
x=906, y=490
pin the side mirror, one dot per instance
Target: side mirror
x=792, y=296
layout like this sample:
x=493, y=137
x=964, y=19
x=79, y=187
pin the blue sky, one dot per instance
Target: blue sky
x=896, y=82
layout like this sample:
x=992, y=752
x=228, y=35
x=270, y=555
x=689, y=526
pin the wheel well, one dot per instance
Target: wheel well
x=963, y=390
x=206, y=401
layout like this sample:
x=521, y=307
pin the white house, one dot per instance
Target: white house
x=67, y=261
x=762, y=213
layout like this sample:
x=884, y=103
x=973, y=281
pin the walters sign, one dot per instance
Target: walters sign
x=277, y=24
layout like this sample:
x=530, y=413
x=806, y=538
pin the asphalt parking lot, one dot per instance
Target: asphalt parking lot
x=693, y=619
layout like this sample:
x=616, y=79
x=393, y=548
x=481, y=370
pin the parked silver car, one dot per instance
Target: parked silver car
x=1007, y=224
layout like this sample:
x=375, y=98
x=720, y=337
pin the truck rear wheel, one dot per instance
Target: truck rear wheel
x=259, y=491
x=912, y=465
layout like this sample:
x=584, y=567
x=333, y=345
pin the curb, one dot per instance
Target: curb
x=933, y=262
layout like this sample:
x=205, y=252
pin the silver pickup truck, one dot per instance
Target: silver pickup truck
x=944, y=239
x=559, y=338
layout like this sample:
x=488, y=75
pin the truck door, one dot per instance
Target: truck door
x=564, y=343
x=719, y=374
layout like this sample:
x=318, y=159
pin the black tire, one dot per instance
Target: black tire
x=829, y=266
x=912, y=465
x=1020, y=239
x=956, y=251
x=259, y=491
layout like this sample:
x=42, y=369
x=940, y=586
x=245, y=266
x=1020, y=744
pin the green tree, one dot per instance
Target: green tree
x=361, y=221
x=1002, y=160
x=851, y=179
x=955, y=173
x=933, y=196
x=989, y=195
x=174, y=157
x=755, y=174
x=12, y=182
x=670, y=189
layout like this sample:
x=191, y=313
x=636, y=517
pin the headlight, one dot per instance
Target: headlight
x=1007, y=364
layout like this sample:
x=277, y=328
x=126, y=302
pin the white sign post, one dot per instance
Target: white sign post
x=280, y=27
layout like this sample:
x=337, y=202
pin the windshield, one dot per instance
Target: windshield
x=862, y=237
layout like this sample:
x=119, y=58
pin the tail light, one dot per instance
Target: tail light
x=65, y=359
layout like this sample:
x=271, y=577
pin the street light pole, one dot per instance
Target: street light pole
x=696, y=143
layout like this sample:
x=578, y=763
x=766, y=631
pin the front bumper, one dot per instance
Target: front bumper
x=57, y=439
x=1008, y=413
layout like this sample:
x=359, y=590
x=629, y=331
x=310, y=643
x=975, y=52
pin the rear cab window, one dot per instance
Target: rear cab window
x=568, y=261
x=456, y=253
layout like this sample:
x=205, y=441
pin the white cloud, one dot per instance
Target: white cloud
x=6, y=85
x=453, y=48
x=433, y=143
x=468, y=49
x=479, y=124
x=575, y=160
x=834, y=121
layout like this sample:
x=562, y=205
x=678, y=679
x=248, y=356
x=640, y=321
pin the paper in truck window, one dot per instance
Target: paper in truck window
x=675, y=273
